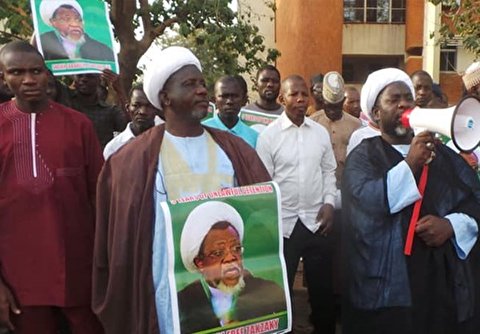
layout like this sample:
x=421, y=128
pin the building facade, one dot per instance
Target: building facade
x=356, y=37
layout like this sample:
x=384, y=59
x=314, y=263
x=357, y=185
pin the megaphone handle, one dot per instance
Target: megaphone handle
x=416, y=212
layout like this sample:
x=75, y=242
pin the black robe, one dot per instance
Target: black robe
x=431, y=291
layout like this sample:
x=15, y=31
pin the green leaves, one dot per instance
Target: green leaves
x=225, y=42
x=15, y=17
x=461, y=20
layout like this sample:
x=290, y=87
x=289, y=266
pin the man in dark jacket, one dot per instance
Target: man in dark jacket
x=411, y=209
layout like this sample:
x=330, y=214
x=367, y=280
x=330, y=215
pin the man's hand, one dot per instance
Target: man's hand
x=421, y=151
x=7, y=304
x=111, y=77
x=433, y=230
x=325, y=218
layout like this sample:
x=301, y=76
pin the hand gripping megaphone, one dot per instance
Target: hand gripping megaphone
x=460, y=122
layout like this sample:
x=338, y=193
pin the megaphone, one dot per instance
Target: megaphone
x=460, y=122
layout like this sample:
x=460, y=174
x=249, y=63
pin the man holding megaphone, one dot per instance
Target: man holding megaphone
x=411, y=213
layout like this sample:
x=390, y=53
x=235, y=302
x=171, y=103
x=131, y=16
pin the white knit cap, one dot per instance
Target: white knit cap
x=48, y=7
x=168, y=61
x=376, y=82
x=198, y=224
x=471, y=78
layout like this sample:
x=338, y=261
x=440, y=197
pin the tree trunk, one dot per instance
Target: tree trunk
x=128, y=59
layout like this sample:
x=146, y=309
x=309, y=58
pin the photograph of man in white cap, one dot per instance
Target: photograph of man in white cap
x=69, y=40
x=211, y=244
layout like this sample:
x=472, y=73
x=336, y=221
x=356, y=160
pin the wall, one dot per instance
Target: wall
x=309, y=36
x=373, y=39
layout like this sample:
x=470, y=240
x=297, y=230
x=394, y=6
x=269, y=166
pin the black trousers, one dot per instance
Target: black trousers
x=316, y=251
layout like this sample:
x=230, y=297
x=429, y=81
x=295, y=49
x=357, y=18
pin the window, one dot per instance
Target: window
x=356, y=68
x=448, y=58
x=374, y=11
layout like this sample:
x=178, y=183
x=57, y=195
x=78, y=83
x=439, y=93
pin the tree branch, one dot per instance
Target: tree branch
x=145, y=15
x=18, y=10
x=165, y=24
x=8, y=35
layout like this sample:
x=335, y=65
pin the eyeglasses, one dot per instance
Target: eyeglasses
x=219, y=254
x=68, y=20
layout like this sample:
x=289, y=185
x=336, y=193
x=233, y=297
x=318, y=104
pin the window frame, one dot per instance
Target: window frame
x=365, y=9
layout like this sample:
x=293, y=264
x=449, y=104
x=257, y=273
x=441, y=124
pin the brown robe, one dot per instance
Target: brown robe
x=123, y=293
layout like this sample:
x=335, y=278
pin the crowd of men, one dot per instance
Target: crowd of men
x=82, y=240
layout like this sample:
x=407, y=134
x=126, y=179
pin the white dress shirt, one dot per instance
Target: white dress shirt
x=118, y=141
x=122, y=138
x=301, y=160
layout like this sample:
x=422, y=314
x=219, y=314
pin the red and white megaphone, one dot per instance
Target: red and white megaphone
x=460, y=122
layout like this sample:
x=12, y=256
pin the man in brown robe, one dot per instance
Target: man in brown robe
x=160, y=164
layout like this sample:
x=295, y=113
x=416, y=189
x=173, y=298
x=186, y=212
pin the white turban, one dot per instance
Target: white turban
x=168, y=61
x=198, y=224
x=48, y=7
x=376, y=82
x=471, y=78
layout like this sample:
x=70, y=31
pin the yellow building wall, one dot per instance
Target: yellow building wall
x=376, y=39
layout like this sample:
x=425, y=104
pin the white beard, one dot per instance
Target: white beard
x=401, y=131
x=199, y=114
x=232, y=289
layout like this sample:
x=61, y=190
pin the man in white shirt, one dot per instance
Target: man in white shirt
x=298, y=155
x=142, y=113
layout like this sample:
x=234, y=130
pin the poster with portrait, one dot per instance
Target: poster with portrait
x=74, y=36
x=256, y=119
x=226, y=268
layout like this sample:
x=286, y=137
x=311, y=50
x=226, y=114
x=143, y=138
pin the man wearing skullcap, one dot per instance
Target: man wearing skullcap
x=211, y=244
x=298, y=155
x=471, y=79
x=172, y=160
x=68, y=40
x=49, y=162
x=408, y=271
x=370, y=91
x=339, y=124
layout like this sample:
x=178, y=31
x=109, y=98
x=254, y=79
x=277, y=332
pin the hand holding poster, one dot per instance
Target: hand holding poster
x=226, y=267
x=74, y=36
x=256, y=119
